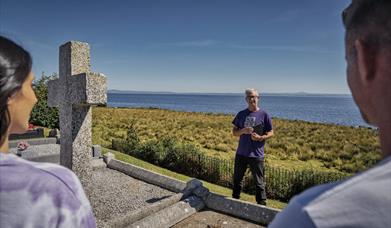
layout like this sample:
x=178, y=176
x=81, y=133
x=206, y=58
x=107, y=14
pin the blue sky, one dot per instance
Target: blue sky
x=190, y=46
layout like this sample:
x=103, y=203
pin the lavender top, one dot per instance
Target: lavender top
x=36, y=194
x=245, y=118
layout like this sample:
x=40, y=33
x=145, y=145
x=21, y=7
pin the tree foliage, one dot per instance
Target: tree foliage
x=42, y=114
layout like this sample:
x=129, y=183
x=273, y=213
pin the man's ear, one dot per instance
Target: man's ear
x=365, y=61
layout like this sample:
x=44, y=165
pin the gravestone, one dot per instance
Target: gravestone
x=76, y=90
x=36, y=133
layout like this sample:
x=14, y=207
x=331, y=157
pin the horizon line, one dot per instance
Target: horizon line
x=194, y=92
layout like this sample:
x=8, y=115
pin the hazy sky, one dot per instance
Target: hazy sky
x=190, y=46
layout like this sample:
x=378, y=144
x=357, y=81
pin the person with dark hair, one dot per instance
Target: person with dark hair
x=31, y=194
x=363, y=200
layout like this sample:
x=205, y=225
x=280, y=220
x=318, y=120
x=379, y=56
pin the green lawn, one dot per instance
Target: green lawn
x=212, y=187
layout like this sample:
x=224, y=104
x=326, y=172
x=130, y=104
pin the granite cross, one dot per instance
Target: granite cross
x=76, y=90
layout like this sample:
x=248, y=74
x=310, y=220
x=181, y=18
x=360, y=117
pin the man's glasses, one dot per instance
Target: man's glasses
x=249, y=97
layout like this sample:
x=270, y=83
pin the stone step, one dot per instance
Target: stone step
x=36, y=133
x=98, y=164
x=33, y=142
x=171, y=215
x=166, y=182
x=134, y=216
x=40, y=153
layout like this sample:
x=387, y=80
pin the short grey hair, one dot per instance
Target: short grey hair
x=369, y=20
x=251, y=90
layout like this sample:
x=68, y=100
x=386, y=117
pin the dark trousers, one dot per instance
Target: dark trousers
x=257, y=167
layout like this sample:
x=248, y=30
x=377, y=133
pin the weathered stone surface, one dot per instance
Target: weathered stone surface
x=211, y=219
x=98, y=164
x=114, y=195
x=237, y=208
x=96, y=92
x=33, y=142
x=87, y=88
x=74, y=92
x=241, y=209
x=36, y=133
x=148, y=176
x=193, y=184
x=173, y=214
x=143, y=212
x=54, y=95
x=79, y=143
x=201, y=192
x=55, y=133
x=41, y=153
x=96, y=151
x=107, y=157
x=74, y=58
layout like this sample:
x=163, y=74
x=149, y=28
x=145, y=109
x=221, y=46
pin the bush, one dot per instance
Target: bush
x=283, y=184
x=150, y=151
x=132, y=140
x=172, y=154
x=42, y=114
x=192, y=161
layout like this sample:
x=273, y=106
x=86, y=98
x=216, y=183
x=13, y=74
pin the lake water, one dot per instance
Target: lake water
x=337, y=109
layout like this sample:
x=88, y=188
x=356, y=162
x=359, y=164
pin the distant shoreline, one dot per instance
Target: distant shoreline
x=226, y=94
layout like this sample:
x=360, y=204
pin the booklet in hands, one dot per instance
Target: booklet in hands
x=259, y=129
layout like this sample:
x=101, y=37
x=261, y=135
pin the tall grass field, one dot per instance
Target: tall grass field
x=299, y=156
x=296, y=144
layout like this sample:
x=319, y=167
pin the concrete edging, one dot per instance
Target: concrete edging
x=238, y=208
x=141, y=213
x=157, y=212
x=245, y=210
x=33, y=141
x=146, y=175
x=173, y=214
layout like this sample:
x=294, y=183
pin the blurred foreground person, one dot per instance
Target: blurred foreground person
x=363, y=200
x=31, y=194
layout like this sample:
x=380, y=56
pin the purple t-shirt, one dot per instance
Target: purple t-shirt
x=246, y=118
x=36, y=194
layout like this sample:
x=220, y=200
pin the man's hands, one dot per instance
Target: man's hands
x=247, y=130
x=256, y=137
x=238, y=132
x=250, y=131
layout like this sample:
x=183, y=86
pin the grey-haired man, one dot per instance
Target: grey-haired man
x=250, y=151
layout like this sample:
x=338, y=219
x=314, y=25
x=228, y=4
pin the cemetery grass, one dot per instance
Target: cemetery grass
x=296, y=144
x=212, y=187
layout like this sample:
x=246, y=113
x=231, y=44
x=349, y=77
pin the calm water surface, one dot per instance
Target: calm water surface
x=337, y=109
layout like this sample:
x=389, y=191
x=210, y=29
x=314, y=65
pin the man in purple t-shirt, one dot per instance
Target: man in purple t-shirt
x=254, y=126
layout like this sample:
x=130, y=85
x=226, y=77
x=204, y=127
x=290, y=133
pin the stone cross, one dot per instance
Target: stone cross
x=76, y=90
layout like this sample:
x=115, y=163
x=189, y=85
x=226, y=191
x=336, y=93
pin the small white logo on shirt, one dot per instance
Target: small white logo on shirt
x=250, y=121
